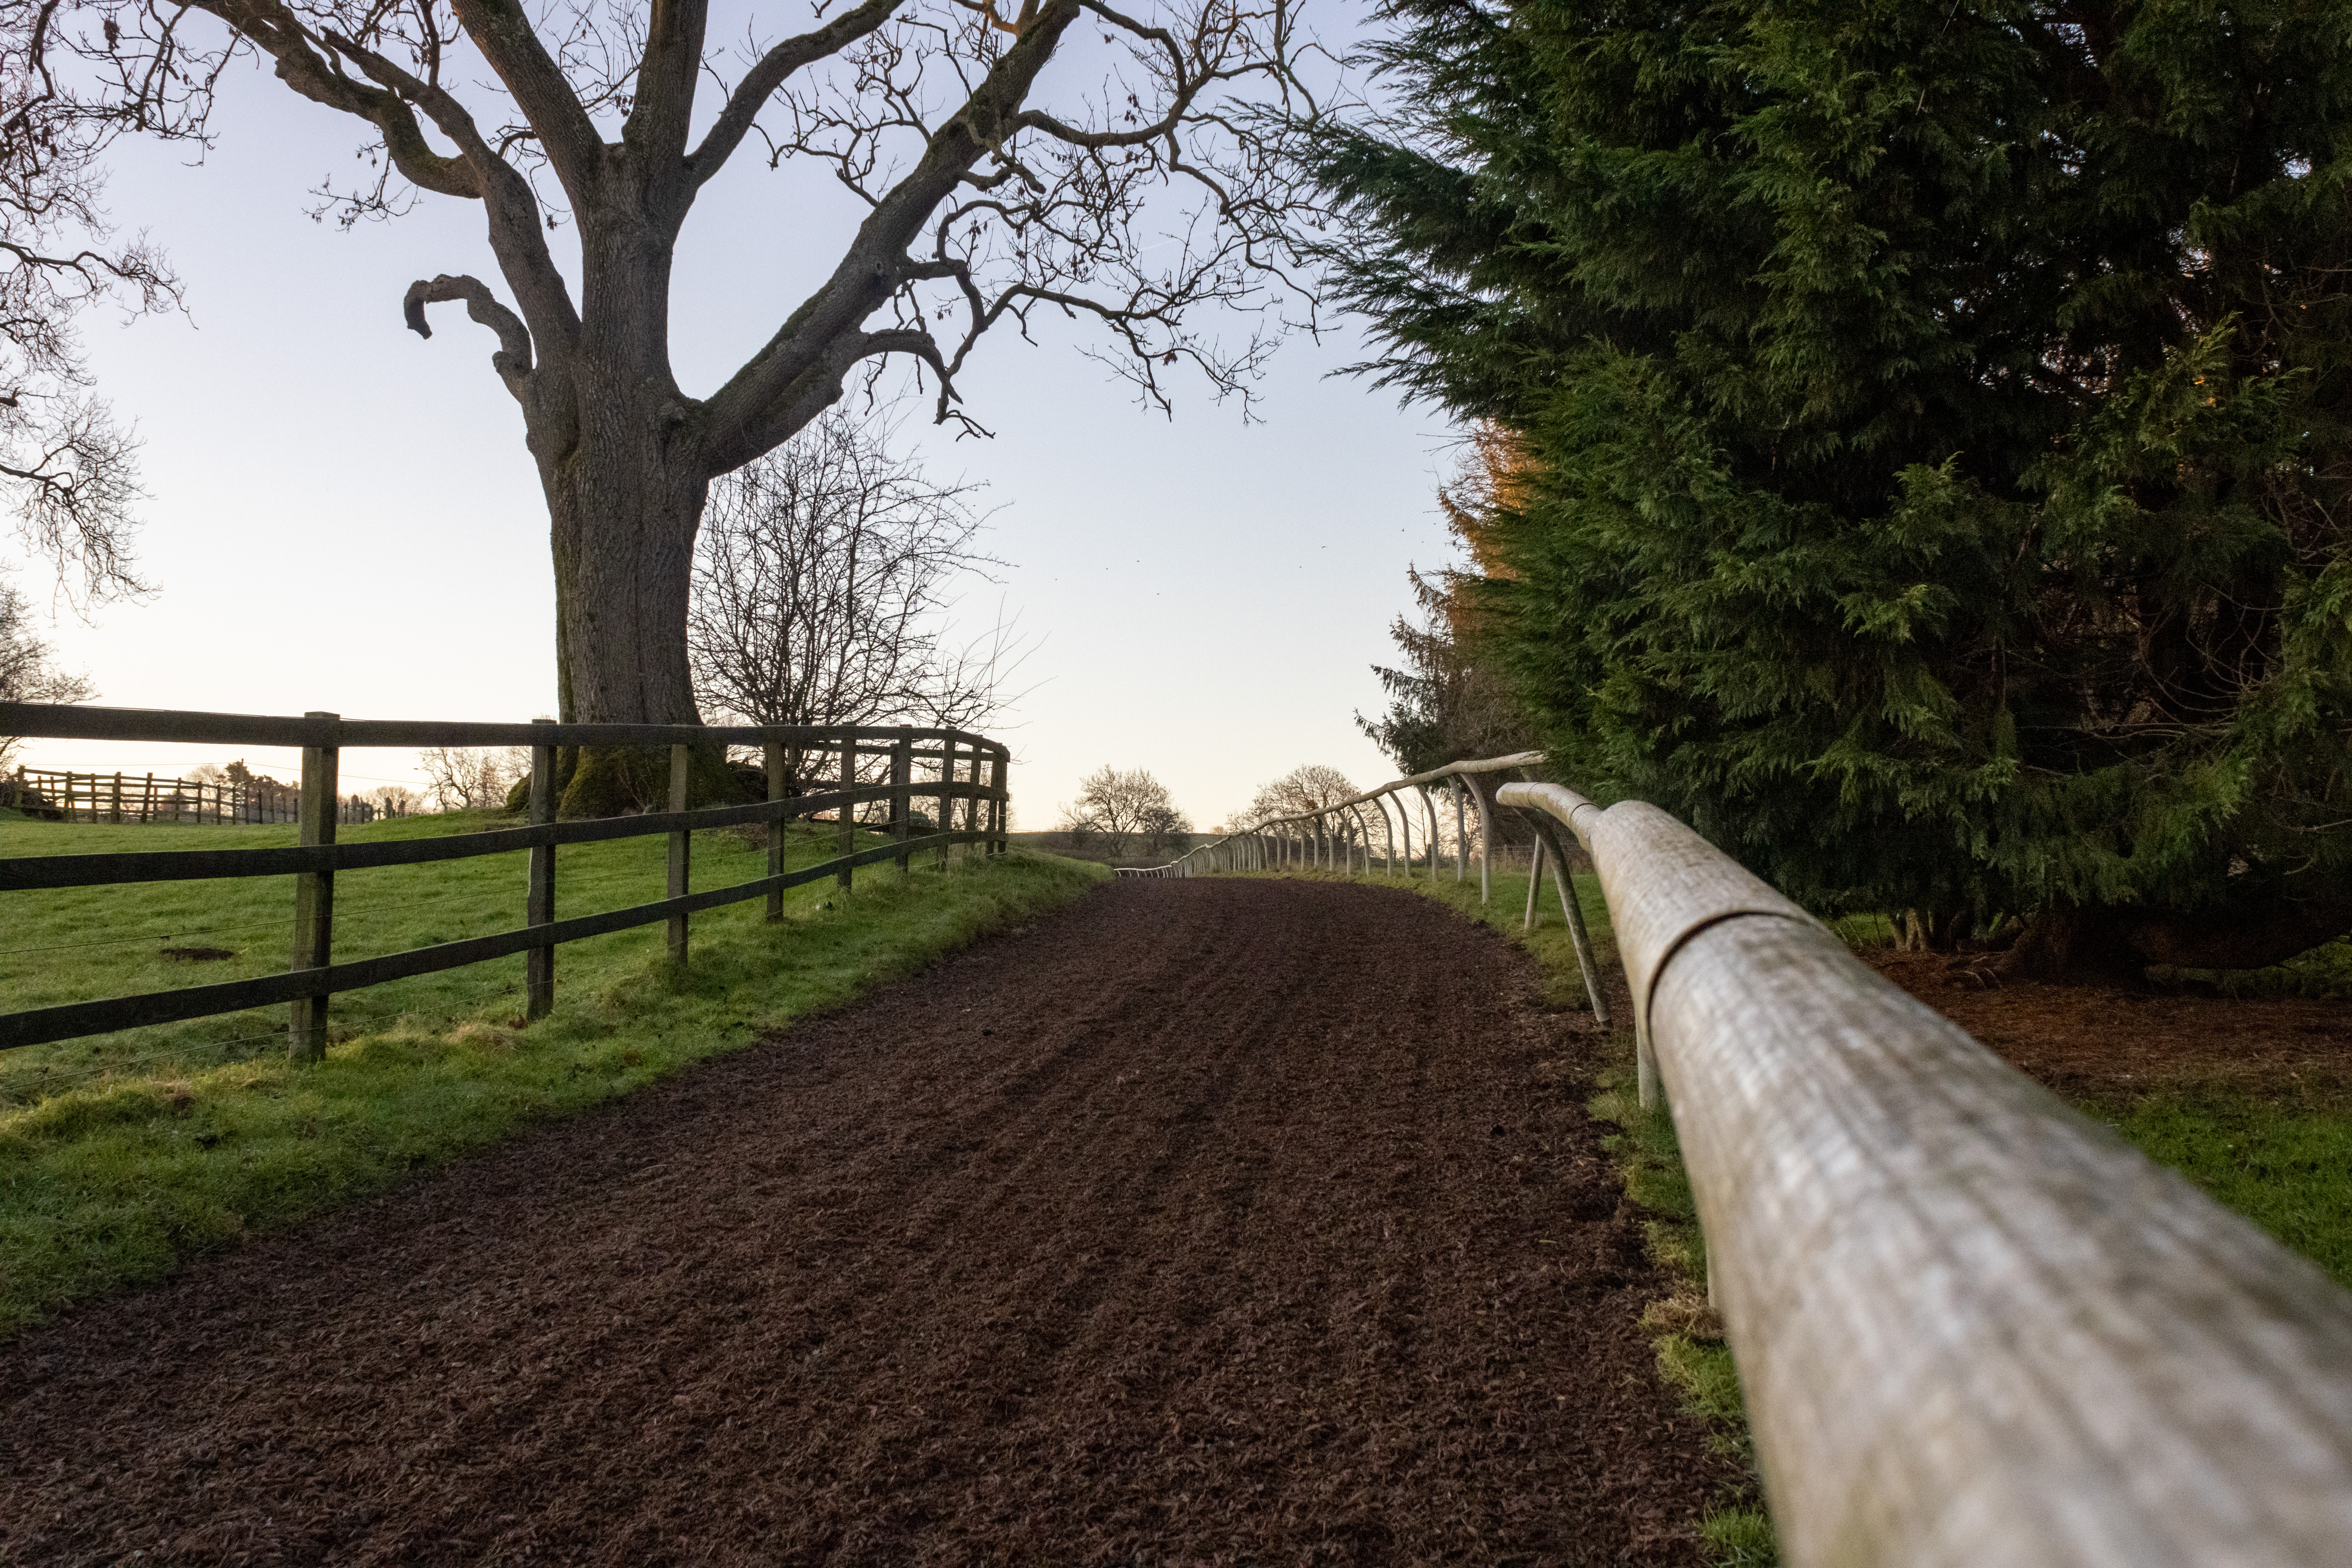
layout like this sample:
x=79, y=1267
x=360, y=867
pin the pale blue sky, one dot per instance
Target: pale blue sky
x=343, y=516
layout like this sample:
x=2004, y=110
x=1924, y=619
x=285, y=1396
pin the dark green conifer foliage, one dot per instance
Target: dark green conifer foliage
x=1939, y=419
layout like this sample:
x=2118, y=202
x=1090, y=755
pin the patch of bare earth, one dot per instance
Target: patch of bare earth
x=1203, y=1223
x=2093, y=1042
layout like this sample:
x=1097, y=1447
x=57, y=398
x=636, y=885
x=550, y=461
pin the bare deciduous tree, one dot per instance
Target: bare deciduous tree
x=469, y=778
x=820, y=580
x=67, y=471
x=28, y=666
x=1311, y=786
x=394, y=800
x=1164, y=828
x=1155, y=185
x=1118, y=805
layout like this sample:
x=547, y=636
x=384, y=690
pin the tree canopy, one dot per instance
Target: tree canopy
x=1133, y=185
x=1933, y=481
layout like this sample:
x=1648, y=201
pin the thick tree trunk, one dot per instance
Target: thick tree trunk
x=624, y=499
x=2115, y=946
x=624, y=546
x=2074, y=944
x=622, y=461
x=2244, y=933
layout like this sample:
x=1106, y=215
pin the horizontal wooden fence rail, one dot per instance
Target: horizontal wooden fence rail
x=311, y=977
x=70, y=795
x=1974, y=1329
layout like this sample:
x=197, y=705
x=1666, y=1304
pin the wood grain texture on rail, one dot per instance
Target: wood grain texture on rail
x=1972, y=1326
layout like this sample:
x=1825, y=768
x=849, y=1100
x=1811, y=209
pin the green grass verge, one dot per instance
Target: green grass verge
x=120, y=1158
x=2275, y=1149
x=1692, y=1359
x=2284, y=1165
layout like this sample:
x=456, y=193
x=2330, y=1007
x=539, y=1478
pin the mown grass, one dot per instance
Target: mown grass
x=80, y=944
x=2285, y=1165
x=121, y=1158
x=1692, y=1359
x=2277, y=1150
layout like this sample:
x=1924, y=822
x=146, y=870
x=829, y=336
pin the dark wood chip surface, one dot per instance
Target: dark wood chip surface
x=1205, y=1222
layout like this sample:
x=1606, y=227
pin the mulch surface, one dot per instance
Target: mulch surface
x=1202, y=1222
x=2096, y=1042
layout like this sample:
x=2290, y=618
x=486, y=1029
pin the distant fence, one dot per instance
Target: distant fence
x=1974, y=1329
x=958, y=760
x=69, y=796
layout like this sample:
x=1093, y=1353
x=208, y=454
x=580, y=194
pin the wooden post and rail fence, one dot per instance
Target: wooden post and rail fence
x=1974, y=1328
x=70, y=796
x=314, y=861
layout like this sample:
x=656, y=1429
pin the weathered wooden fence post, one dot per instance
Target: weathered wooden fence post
x=947, y=793
x=1549, y=833
x=1461, y=835
x=996, y=812
x=772, y=754
x=1534, y=881
x=971, y=801
x=539, y=902
x=848, y=814
x=1485, y=845
x=314, y=902
x=681, y=845
x=902, y=792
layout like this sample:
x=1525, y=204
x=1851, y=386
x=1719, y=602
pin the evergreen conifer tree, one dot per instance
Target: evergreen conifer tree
x=1936, y=417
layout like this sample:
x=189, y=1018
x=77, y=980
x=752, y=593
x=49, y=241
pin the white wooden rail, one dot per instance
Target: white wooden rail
x=1974, y=1329
x=1306, y=838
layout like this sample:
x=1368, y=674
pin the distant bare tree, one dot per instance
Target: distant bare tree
x=1117, y=806
x=1065, y=160
x=67, y=471
x=28, y=666
x=1308, y=787
x=1164, y=828
x=467, y=778
x=394, y=800
x=822, y=578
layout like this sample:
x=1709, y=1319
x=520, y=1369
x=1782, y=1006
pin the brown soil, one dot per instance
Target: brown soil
x=2095, y=1042
x=1204, y=1222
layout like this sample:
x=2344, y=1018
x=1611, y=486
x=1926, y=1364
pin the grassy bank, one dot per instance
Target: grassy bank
x=122, y=1157
x=2280, y=1156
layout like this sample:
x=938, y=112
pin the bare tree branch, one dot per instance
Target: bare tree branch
x=821, y=582
x=513, y=361
x=512, y=46
x=760, y=83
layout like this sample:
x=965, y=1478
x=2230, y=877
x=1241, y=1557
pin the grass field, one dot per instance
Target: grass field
x=82, y=943
x=2284, y=1160
x=122, y=1155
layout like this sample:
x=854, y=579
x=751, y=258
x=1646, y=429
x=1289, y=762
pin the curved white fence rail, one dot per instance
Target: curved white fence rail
x=1973, y=1327
x=1306, y=838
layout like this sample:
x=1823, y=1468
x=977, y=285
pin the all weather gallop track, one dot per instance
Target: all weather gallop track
x=1213, y=1221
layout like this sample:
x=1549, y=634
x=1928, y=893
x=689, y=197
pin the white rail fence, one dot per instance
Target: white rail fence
x=1973, y=1327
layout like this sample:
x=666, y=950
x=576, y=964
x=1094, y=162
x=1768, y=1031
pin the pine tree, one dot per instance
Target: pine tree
x=1938, y=416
